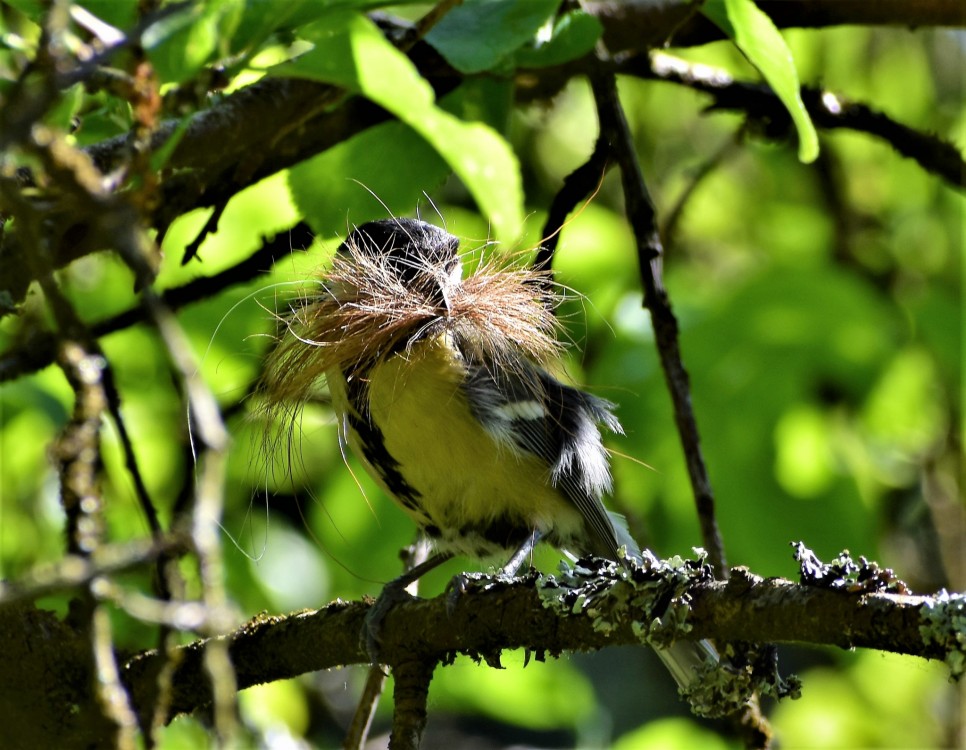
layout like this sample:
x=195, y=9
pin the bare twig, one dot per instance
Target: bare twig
x=827, y=110
x=640, y=213
x=205, y=418
x=130, y=458
x=78, y=448
x=577, y=187
x=74, y=571
x=210, y=227
x=412, y=678
x=707, y=167
x=361, y=722
x=82, y=357
x=413, y=556
x=40, y=348
x=112, y=696
x=79, y=458
x=643, y=220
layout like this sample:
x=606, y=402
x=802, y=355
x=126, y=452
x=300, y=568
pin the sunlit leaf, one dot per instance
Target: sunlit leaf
x=349, y=183
x=761, y=42
x=179, y=44
x=574, y=34
x=477, y=34
x=351, y=52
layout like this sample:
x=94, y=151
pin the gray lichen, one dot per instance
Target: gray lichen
x=944, y=625
x=651, y=597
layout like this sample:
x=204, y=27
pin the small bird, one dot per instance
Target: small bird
x=440, y=387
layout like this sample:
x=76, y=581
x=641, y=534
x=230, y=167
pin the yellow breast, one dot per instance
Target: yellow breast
x=470, y=487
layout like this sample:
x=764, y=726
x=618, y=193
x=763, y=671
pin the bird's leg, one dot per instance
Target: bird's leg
x=393, y=593
x=523, y=552
x=461, y=582
x=517, y=561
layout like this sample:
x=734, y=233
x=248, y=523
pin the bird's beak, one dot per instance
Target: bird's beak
x=444, y=282
x=440, y=294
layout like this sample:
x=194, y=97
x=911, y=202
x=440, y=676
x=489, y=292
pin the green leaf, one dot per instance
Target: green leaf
x=482, y=159
x=762, y=43
x=351, y=52
x=383, y=169
x=32, y=9
x=478, y=34
x=262, y=18
x=181, y=44
x=574, y=35
x=66, y=108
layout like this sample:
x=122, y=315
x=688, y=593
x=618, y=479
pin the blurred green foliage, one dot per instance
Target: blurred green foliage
x=820, y=312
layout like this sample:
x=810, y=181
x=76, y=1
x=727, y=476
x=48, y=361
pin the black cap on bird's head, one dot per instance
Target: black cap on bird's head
x=416, y=252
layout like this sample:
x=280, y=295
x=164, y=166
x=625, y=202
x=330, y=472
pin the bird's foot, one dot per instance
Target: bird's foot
x=390, y=596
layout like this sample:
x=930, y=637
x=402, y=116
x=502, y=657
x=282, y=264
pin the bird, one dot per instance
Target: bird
x=441, y=387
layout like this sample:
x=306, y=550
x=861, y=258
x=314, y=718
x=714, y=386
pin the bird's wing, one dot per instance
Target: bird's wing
x=524, y=407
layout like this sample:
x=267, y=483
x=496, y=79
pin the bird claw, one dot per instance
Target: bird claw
x=458, y=585
x=390, y=596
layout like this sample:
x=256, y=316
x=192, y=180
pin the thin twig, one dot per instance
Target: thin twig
x=640, y=213
x=73, y=327
x=577, y=187
x=79, y=456
x=210, y=227
x=205, y=419
x=749, y=721
x=39, y=349
x=358, y=730
x=707, y=167
x=74, y=571
x=78, y=448
x=112, y=696
x=412, y=680
x=413, y=557
x=828, y=111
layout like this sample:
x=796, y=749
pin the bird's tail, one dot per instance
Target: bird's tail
x=688, y=660
x=685, y=660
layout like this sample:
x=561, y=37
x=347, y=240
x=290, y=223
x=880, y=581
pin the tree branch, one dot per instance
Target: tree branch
x=658, y=23
x=827, y=110
x=499, y=613
x=577, y=187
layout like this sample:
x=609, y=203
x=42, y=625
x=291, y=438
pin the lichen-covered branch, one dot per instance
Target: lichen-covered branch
x=550, y=615
x=595, y=605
